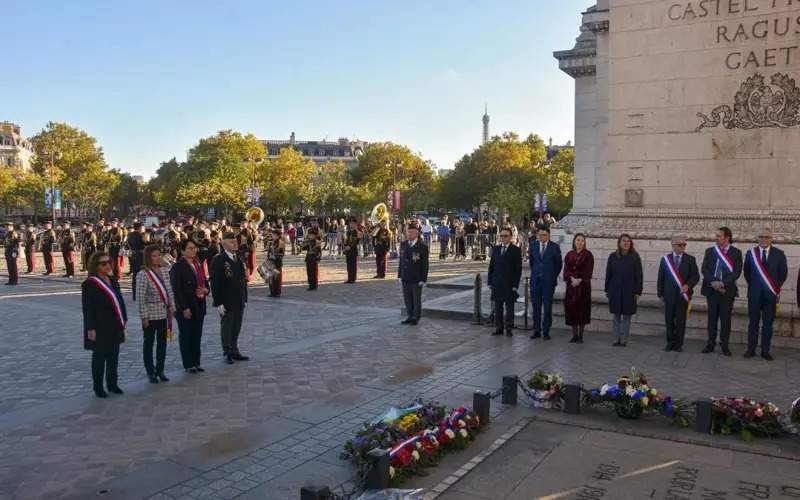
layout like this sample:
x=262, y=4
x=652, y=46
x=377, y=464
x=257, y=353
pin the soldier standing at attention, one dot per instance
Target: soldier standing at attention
x=412, y=271
x=68, y=250
x=48, y=240
x=275, y=253
x=136, y=246
x=351, y=240
x=89, y=245
x=30, y=248
x=313, y=247
x=11, y=247
x=229, y=289
x=115, y=238
x=381, y=241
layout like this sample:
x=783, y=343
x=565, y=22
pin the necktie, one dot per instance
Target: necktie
x=764, y=256
x=503, y=251
x=676, y=260
x=541, y=250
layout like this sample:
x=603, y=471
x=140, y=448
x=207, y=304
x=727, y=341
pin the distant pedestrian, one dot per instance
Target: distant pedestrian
x=623, y=288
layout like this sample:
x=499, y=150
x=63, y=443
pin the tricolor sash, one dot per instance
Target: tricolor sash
x=112, y=297
x=724, y=259
x=161, y=288
x=676, y=277
x=755, y=258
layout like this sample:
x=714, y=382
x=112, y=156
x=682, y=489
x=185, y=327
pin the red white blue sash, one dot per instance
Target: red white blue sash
x=724, y=259
x=161, y=288
x=755, y=258
x=676, y=277
x=112, y=297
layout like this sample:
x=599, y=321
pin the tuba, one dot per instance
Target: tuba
x=254, y=215
x=379, y=213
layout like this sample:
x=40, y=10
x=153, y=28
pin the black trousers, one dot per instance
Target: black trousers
x=412, y=297
x=105, y=359
x=13, y=272
x=312, y=271
x=275, y=285
x=156, y=331
x=504, y=320
x=230, y=327
x=69, y=263
x=49, y=265
x=760, y=310
x=30, y=258
x=675, y=321
x=720, y=309
x=380, y=262
x=352, y=266
x=191, y=335
x=135, y=261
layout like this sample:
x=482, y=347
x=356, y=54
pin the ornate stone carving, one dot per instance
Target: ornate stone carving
x=758, y=105
x=663, y=224
x=634, y=198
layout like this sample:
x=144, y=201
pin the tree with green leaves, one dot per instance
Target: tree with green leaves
x=127, y=193
x=331, y=188
x=560, y=182
x=385, y=166
x=164, y=186
x=285, y=180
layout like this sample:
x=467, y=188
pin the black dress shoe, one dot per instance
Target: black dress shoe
x=311, y=288
x=375, y=277
x=153, y=379
x=406, y=321
x=509, y=334
x=239, y=357
x=678, y=349
x=498, y=332
x=574, y=339
x=546, y=336
x=191, y=370
x=726, y=351
x=536, y=335
x=115, y=390
x=413, y=322
x=199, y=370
x=749, y=354
x=707, y=349
x=668, y=348
x=767, y=356
x=617, y=344
x=162, y=377
x=100, y=393
x=228, y=359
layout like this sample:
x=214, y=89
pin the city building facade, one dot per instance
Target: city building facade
x=320, y=152
x=15, y=150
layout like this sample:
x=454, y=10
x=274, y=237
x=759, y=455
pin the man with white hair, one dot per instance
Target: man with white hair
x=677, y=277
x=765, y=271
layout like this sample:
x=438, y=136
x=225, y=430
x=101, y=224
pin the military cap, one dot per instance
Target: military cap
x=229, y=235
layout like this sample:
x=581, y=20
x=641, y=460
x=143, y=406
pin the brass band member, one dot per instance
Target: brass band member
x=313, y=248
x=351, y=241
x=88, y=245
x=48, y=240
x=30, y=248
x=172, y=239
x=381, y=241
x=68, y=250
x=11, y=247
x=275, y=253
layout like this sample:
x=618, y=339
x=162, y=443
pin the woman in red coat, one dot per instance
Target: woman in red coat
x=578, y=268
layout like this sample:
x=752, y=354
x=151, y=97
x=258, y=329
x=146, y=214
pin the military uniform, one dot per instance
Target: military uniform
x=68, y=251
x=313, y=247
x=48, y=240
x=11, y=247
x=381, y=242
x=352, y=238
x=275, y=252
x=30, y=249
x=412, y=270
x=88, y=246
x=115, y=238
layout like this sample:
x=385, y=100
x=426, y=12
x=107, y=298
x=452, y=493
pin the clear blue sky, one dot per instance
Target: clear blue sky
x=149, y=78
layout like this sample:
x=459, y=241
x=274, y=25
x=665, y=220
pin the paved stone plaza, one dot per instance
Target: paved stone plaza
x=321, y=364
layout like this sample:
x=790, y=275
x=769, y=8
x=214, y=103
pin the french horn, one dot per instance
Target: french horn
x=254, y=215
x=380, y=213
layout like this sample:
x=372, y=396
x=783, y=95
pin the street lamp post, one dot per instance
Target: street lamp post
x=53, y=156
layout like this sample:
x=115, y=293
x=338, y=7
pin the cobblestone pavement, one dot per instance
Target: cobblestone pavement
x=321, y=363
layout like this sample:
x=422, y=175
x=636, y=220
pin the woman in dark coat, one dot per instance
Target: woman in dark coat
x=104, y=318
x=578, y=269
x=190, y=287
x=623, y=287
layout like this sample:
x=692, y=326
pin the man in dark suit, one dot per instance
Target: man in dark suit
x=545, y=261
x=722, y=266
x=412, y=270
x=229, y=288
x=765, y=271
x=677, y=277
x=505, y=270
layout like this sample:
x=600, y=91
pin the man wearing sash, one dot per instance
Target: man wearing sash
x=677, y=277
x=765, y=271
x=722, y=266
x=229, y=289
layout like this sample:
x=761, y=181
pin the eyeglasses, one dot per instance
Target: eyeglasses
x=680, y=244
x=103, y=262
x=765, y=237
